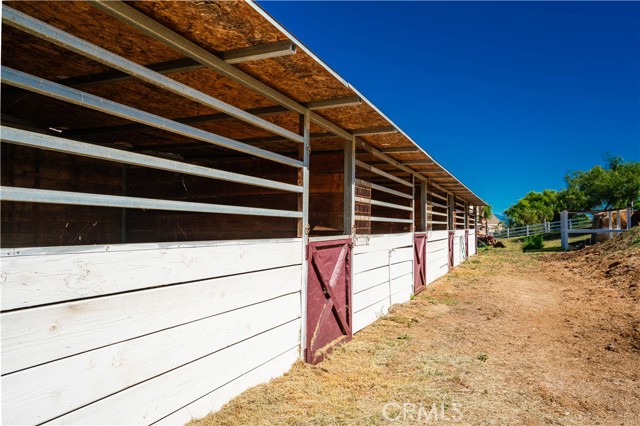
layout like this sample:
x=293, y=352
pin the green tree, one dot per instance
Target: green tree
x=535, y=207
x=613, y=186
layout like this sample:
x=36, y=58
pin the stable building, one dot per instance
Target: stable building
x=191, y=202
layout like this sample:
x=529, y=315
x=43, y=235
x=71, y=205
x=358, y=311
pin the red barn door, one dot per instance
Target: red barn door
x=419, y=263
x=329, y=313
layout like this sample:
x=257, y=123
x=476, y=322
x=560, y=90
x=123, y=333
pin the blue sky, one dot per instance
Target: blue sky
x=508, y=96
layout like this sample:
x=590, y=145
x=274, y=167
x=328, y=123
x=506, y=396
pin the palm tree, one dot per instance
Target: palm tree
x=486, y=213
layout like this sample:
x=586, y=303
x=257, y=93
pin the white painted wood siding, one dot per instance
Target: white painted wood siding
x=437, y=255
x=62, y=277
x=459, y=252
x=178, y=328
x=472, y=242
x=382, y=276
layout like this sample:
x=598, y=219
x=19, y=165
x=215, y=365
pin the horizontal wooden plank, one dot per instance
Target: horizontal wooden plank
x=442, y=262
x=370, y=278
x=436, y=254
x=435, y=194
x=374, y=277
x=129, y=247
x=154, y=399
x=375, y=294
x=443, y=206
x=436, y=271
x=382, y=173
x=61, y=386
x=48, y=142
x=384, y=219
x=437, y=235
x=385, y=242
x=34, y=195
x=213, y=401
x=367, y=261
x=386, y=190
x=369, y=314
x=433, y=246
x=34, y=336
x=57, y=278
x=405, y=293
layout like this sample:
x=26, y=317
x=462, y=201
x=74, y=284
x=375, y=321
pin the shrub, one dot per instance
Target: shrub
x=534, y=242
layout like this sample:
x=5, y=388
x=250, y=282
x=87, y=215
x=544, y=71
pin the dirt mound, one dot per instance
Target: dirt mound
x=615, y=262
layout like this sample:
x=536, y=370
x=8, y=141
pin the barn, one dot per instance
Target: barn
x=191, y=202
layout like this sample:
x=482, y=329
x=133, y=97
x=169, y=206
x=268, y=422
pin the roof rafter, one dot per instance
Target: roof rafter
x=343, y=101
x=256, y=53
x=374, y=131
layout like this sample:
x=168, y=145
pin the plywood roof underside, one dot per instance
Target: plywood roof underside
x=217, y=27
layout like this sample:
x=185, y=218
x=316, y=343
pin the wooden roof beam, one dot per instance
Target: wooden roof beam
x=400, y=150
x=249, y=141
x=376, y=153
x=154, y=29
x=374, y=131
x=236, y=56
x=334, y=103
x=418, y=162
x=262, y=111
x=256, y=53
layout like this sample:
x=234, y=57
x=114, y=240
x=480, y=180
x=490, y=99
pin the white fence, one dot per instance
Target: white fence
x=542, y=228
x=566, y=230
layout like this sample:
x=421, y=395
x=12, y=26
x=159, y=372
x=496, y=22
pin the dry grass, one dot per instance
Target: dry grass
x=507, y=338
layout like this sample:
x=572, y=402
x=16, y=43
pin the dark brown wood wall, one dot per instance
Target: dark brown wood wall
x=30, y=224
x=326, y=193
x=34, y=225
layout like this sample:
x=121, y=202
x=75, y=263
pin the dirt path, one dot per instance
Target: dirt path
x=506, y=339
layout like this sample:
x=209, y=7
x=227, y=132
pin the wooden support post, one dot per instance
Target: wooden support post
x=423, y=205
x=527, y=230
x=412, y=227
x=476, y=218
x=564, y=229
x=629, y=213
x=466, y=215
x=610, y=217
x=349, y=186
x=303, y=224
x=618, y=219
x=451, y=212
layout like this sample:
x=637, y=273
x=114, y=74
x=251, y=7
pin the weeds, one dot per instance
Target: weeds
x=534, y=242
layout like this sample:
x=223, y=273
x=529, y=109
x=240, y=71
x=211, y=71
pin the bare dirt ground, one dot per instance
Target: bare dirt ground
x=508, y=338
